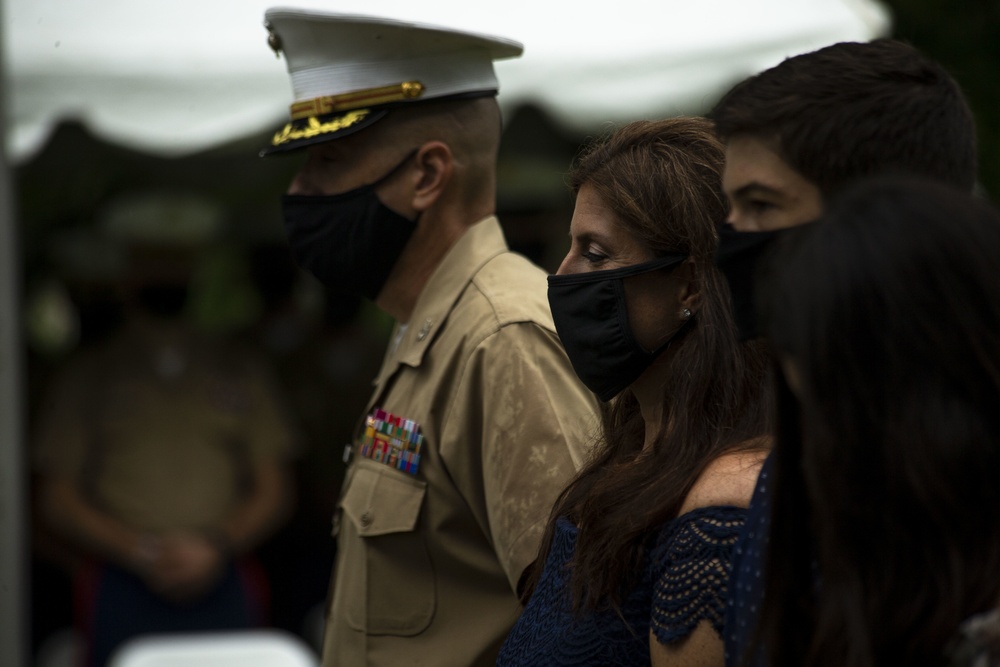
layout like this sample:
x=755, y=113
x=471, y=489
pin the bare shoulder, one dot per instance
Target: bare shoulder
x=728, y=480
x=702, y=648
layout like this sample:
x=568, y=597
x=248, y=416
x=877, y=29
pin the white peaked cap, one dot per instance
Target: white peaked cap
x=348, y=70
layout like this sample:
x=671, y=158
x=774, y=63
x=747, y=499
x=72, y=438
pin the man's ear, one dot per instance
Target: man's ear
x=435, y=164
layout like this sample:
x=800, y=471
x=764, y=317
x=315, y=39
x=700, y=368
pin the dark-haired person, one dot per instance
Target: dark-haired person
x=885, y=536
x=636, y=555
x=795, y=135
x=802, y=130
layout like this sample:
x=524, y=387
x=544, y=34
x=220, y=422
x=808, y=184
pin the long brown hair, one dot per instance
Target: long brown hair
x=662, y=180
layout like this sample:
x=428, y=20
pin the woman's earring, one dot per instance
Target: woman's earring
x=686, y=313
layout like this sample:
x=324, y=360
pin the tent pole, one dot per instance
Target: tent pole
x=13, y=561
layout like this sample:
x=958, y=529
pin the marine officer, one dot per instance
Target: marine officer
x=477, y=419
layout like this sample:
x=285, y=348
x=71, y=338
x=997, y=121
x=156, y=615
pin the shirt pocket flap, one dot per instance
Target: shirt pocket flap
x=381, y=500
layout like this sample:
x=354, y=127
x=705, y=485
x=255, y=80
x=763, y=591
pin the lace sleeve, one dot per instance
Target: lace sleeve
x=692, y=560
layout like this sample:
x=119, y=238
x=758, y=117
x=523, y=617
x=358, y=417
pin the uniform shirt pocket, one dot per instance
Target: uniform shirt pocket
x=391, y=581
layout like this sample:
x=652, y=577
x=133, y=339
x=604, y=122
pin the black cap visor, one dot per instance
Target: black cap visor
x=317, y=129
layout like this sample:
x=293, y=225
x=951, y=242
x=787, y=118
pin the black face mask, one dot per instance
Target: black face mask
x=740, y=257
x=349, y=241
x=591, y=318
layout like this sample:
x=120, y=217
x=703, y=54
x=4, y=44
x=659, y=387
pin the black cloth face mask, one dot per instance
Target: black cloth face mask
x=349, y=241
x=741, y=256
x=591, y=318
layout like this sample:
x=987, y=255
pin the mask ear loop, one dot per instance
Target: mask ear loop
x=362, y=189
x=394, y=170
x=619, y=276
x=686, y=314
x=665, y=344
x=665, y=262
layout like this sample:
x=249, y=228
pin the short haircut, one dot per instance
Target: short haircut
x=852, y=110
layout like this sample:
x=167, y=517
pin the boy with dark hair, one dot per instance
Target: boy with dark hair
x=795, y=135
x=836, y=115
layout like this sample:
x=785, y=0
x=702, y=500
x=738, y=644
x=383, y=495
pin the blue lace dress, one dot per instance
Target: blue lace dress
x=683, y=583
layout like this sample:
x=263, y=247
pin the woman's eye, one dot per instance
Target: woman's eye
x=593, y=257
x=758, y=206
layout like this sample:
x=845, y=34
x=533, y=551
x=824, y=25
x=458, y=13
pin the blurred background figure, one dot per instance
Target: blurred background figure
x=162, y=451
x=885, y=547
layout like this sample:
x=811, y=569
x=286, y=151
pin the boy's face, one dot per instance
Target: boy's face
x=764, y=192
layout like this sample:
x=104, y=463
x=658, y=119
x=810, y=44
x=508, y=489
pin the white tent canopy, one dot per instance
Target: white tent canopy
x=176, y=76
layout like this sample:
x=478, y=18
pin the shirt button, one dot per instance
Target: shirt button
x=367, y=519
x=424, y=330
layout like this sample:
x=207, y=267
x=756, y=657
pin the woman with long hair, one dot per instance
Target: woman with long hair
x=635, y=559
x=885, y=317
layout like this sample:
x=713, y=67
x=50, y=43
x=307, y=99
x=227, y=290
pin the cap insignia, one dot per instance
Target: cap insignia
x=315, y=128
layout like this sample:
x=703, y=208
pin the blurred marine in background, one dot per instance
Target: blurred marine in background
x=162, y=453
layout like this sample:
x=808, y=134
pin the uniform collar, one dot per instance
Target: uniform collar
x=481, y=243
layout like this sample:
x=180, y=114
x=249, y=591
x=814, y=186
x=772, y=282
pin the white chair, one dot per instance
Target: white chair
x=252, y=648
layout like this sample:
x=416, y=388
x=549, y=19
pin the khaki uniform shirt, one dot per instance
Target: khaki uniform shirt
x=428, y=563
x=161, y=430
